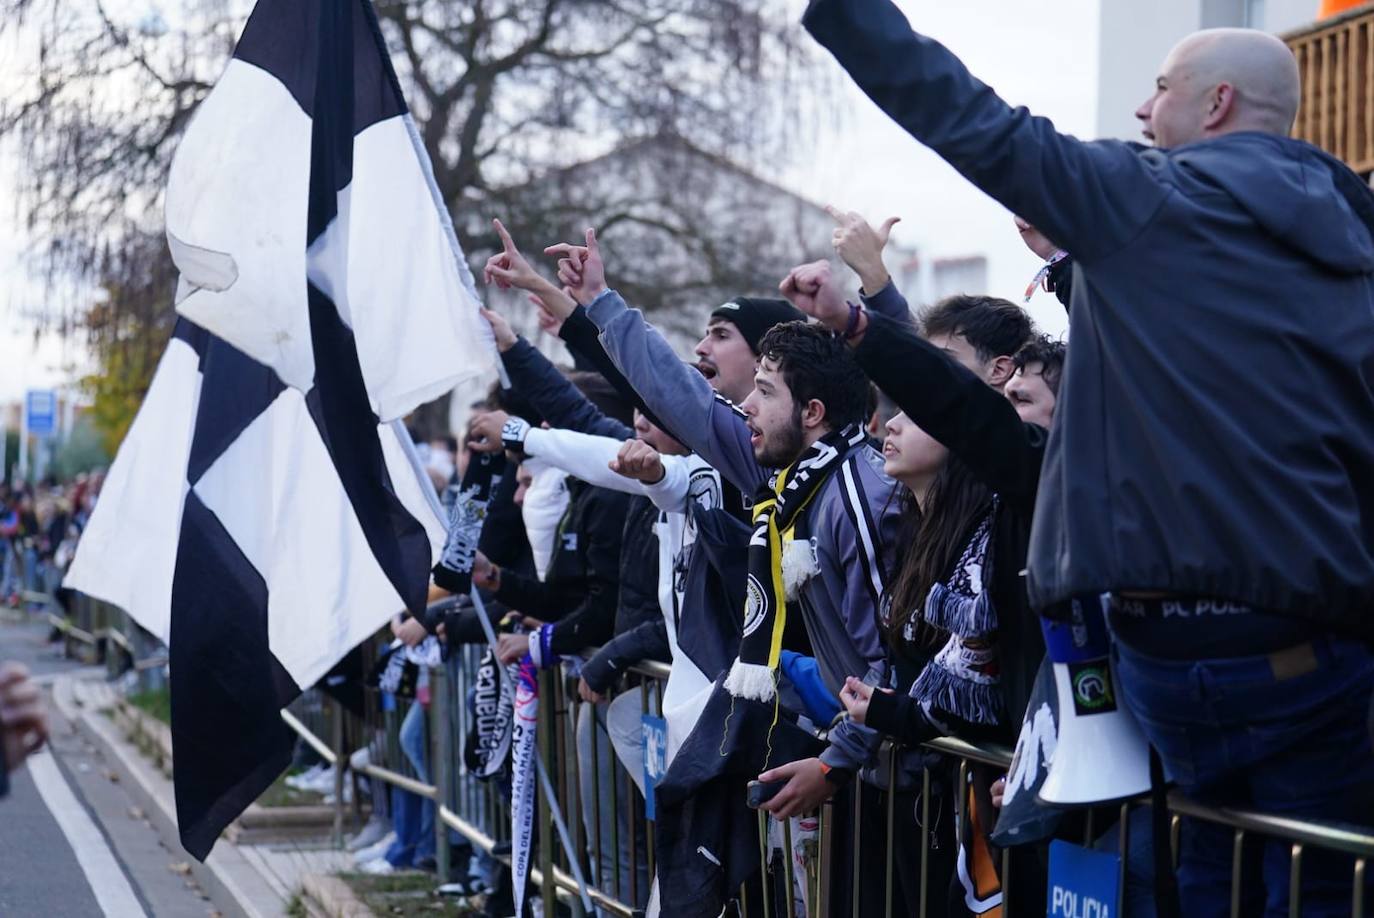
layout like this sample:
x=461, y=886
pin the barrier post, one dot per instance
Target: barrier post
x=1357, y=897
x=1295, y=883
x=788, y=872
x=926, y=834
x=826, y=840
x=891, y=825
x=763, y=860
x=1237, y=847
x=440, y=743
x=544, y=748
x=336, y=710
x=855, y=886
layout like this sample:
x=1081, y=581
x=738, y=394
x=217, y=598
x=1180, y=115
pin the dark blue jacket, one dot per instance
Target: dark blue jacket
x=1215, y=428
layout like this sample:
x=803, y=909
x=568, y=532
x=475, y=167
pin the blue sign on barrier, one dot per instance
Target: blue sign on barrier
x=40, y=408
x=655, y=758
x=1083, y=883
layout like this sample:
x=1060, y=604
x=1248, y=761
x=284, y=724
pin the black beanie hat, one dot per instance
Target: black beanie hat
x=753, y=316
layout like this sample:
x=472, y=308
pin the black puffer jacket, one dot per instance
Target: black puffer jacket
x=581, y=587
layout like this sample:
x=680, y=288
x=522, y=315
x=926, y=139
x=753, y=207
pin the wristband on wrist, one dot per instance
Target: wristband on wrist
x=852, y=327
x=838, y=777
x=541, y=653
x=1042, y=276
x=513, y=433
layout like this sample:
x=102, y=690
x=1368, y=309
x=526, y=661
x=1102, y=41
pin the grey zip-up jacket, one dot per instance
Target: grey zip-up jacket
x=1214, y=434
x=852, y=522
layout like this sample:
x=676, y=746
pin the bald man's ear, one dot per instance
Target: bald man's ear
x=1221, y=101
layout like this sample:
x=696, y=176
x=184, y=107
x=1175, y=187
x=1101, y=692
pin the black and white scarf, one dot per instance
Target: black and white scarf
x=964, y=678
x=777, y=508
x=467, y=506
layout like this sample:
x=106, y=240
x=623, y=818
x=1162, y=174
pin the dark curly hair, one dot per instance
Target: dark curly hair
x=1049, y=353
x=816, y=364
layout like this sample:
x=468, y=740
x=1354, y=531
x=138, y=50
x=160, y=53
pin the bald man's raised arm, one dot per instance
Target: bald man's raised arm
x=1091, y=198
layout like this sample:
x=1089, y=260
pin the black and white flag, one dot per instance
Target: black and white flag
x=267, y=512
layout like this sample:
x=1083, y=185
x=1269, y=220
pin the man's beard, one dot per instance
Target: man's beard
x=782, y=447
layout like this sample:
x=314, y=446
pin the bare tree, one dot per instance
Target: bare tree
x=504, y=91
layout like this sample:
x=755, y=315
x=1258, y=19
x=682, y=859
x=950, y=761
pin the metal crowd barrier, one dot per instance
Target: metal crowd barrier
x=96, y=631
x=477, y=811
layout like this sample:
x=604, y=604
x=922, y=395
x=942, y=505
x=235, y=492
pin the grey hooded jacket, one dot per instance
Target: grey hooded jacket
x=852, y=522
x=1214, y=434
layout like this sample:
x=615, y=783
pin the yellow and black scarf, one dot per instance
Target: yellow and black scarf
x=777, y=508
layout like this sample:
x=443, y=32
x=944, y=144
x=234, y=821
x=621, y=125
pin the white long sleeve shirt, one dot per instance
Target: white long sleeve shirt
x=686, y=480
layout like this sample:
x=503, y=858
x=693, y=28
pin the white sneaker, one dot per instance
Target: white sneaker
x=322, y=783
x=377, y=867
x=376, y=849
x=300, y=781
x=360, y=759
x=369, y=834
x=347, y=794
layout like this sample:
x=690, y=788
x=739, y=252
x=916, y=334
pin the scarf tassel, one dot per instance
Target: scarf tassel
x=976, y=703
x=959, y=613
x=756, y=681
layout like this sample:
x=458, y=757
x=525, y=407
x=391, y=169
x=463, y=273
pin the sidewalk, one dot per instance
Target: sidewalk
x=245, y=881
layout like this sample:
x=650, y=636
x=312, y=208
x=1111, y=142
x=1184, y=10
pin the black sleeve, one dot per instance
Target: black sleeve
x=1061, y=280
x=503, y=533
x=461, y=625
x=1093, y=198
x=903, y=719
x=947, y=401
x=648, y=641
x=554, y=396
x=583, y=338
x=593, y=621
x=900, y=717
x=549, y=600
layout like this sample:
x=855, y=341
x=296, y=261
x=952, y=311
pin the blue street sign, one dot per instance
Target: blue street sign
x=40, y=407
x=655, y=758
x=1083, y=883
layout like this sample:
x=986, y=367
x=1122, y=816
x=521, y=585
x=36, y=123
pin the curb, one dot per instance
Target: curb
x=334, y=897
x=230, y=880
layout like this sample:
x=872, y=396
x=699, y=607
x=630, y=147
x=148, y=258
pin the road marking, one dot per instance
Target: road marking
x=107, y=880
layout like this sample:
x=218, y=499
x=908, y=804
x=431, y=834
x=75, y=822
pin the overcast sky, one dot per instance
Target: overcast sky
x=1038, y=53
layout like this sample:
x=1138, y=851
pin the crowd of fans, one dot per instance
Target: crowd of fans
x=39, y=528
x=846, y=520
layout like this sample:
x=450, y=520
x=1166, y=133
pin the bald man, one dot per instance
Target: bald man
x=1221, y=81
x=1212, y=464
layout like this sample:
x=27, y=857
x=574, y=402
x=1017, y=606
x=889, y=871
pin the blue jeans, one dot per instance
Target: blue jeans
x=412, y=739
x=1281, y=733
x=616, y=808
x=33, y=576
x=405, y=822
x=1138, y=900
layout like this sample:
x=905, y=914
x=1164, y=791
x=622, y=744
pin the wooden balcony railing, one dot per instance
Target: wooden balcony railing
x=1336, y=62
